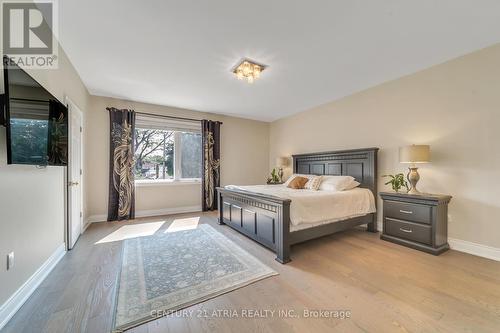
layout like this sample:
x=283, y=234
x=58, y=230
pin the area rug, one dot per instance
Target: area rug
x=169, y=271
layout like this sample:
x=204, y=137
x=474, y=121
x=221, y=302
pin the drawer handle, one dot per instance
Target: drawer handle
x=406, y=230
x=405, y=211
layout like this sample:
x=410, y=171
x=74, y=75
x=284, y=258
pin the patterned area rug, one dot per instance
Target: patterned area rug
x=173, y=270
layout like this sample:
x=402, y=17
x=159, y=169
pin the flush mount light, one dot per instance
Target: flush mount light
x=248, y=69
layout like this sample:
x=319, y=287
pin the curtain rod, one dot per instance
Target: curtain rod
x=170, y=117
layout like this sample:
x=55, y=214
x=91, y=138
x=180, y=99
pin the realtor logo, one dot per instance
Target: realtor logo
x=29, y=33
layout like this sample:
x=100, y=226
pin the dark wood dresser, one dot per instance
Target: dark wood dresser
x=417, y=221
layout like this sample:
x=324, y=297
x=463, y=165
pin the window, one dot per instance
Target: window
x=167, y=149
x=190, y=151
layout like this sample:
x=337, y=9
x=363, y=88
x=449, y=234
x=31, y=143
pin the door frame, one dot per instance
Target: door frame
x=73, y=107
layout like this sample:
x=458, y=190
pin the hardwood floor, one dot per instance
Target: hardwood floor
x=386, y=288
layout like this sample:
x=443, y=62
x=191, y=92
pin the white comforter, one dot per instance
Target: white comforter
x=318, y=207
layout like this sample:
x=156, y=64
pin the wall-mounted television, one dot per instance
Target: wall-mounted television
x=37, y=123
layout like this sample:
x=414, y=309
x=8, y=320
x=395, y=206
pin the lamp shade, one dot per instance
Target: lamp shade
x=281, y=162
x=415, y=154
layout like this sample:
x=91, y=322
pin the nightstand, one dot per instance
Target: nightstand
x=417, y=221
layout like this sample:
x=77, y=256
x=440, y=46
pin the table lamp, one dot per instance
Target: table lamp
x=281, y=162
x=412, y=155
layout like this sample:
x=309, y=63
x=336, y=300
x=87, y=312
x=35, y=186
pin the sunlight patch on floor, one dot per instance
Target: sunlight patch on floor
x=183, y=224
x=132, y=231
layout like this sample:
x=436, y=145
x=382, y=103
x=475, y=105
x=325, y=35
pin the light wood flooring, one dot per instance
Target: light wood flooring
x=386, y=288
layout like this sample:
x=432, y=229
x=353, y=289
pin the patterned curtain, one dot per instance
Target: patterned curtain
x=121, y=202
x=57, y=141
x=211, y=163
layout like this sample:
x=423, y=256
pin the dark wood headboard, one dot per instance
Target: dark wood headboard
x=358, y=163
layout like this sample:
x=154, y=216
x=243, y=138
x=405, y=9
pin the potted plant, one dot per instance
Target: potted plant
x=397, y=181
x=274, y=179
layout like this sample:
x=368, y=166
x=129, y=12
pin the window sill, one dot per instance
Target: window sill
x=166, y=182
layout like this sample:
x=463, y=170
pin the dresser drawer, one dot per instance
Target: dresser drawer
x=408, y=230
x=408, y=211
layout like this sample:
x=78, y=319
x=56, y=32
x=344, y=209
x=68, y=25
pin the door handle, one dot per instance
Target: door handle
x=405, y=211
x=73, y=183
x=406, y=230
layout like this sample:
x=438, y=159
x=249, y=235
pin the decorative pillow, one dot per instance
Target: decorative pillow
x=314, y=183
x=296, y=175
x=336, y=183
x=298, y=182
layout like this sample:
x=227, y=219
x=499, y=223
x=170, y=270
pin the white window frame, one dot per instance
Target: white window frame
x=177, y=180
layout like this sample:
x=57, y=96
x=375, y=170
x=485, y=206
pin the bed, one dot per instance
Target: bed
x=266, y=214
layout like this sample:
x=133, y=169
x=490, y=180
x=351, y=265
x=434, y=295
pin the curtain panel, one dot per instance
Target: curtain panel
x=121, y=201
x=211, y=163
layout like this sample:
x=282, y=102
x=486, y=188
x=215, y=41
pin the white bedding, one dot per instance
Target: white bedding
x=311, y=208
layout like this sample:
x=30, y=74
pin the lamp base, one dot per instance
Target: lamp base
x=413, y=177
x=414, y=191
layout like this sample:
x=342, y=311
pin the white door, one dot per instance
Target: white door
x=75, y=223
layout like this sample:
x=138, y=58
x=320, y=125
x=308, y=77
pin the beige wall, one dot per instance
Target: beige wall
x=244, y=157
x=31, y=199
x=454, y=107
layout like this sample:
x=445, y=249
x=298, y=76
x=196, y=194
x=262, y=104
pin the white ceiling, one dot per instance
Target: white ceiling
x=179, y=53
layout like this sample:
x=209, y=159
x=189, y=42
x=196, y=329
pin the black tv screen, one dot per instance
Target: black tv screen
x=37, y=123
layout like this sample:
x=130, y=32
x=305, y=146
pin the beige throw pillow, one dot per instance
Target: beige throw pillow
x=295, y=175
x=298, y=182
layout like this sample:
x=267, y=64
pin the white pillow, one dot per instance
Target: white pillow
x=336, y=183
x=354, y=184
x=314, y=183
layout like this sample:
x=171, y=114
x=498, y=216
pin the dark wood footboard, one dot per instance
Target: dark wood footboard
x=265, y=219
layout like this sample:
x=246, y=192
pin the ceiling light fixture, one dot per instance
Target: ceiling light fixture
x=248, y=69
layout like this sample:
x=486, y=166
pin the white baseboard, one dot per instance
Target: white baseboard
x=14, y=303
x=167, y=211
x=152, y=212
x=87, y=224
x=475, y=249
x=96, y=218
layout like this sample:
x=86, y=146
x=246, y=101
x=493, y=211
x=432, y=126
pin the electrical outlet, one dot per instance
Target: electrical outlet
x=10, y=260
x=449, y=218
